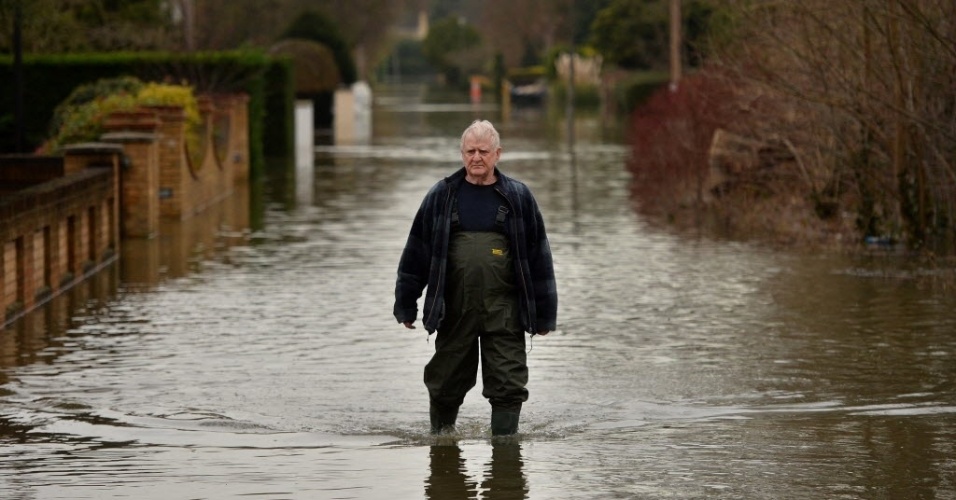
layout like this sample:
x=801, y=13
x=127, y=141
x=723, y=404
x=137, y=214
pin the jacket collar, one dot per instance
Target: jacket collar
x=459, y=176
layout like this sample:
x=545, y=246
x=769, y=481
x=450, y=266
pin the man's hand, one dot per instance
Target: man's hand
x=409, y=324
x=543, y=332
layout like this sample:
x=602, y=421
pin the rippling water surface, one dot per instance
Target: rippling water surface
x=251, y=351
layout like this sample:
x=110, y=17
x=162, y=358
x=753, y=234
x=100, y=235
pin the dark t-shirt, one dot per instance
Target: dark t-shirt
x=478, y=208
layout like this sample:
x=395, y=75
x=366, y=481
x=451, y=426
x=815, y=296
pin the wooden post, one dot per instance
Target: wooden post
x=189, y=24
x=675, y=39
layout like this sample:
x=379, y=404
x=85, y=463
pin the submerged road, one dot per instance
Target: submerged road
x=252, y=351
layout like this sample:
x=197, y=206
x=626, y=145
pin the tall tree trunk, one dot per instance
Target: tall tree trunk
x=676, y=41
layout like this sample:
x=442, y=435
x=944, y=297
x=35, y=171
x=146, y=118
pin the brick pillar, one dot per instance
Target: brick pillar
x=10, y=277
x=239, y=144
x=174, y=175
x=138, y=133
x=60, y=273
x=28, y=260
x=208, y=189
x=77, y=157
x=139, y=199
x=221, y=139
x=221, y=127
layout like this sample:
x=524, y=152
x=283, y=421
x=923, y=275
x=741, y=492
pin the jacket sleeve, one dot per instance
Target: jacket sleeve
x=413, y=267
x=542, y=271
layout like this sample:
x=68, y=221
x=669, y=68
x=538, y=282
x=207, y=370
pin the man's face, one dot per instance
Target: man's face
x=479, y=158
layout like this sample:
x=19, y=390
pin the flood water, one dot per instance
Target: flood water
x=251, y=351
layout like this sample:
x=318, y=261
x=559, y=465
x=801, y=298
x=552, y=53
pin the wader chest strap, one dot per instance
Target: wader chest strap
x=502, y=212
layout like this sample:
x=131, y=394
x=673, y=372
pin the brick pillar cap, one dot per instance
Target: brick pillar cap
x=128, y=137
x=92, y=147
x=167, y=112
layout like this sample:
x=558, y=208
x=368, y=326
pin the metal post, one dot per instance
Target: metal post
x=18, y=76
x=570, y=90
x=570, y=100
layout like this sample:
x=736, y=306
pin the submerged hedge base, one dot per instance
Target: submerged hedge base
x=49, y=79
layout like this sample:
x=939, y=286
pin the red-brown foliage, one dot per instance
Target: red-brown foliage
x=771, y=196
x=670, y=137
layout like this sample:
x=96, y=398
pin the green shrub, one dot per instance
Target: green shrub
x=585, y=96
x=636, y=90
x=90, y=92
x=84, y=122
x=49, y=79
x=318, y=27
x=161, y=94
x=81, y=116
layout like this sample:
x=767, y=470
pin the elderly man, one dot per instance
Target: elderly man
x=478, y=244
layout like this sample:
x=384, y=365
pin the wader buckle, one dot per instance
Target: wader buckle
x=502, y=212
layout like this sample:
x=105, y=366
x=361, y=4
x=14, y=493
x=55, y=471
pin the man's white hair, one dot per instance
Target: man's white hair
x=481, y=129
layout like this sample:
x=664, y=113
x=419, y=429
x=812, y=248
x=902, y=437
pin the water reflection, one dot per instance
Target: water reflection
x=448, y=478
x=38, y=336
x=183, y=246
x=502, y=478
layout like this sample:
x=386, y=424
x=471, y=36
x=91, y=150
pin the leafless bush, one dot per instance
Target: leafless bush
x=869, y=87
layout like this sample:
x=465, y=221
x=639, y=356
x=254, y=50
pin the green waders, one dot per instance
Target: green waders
x=481, y=320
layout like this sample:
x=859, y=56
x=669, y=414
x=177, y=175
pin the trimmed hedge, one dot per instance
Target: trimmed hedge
x=49, y=79
x=637, y=89
x=278, y=138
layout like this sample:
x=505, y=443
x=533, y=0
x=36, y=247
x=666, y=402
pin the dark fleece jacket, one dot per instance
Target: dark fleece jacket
x=425, y=257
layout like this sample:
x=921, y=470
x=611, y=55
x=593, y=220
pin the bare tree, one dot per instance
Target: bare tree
x=87, y=25
x=520, y=29
x=227, y=24
x=869, y=85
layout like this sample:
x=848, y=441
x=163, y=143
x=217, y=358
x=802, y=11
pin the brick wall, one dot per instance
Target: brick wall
x=61, y=219
x=190, y=181
x=52, y=235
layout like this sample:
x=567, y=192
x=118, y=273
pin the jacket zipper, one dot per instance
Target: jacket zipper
x=524, y=284
x=441, y=267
